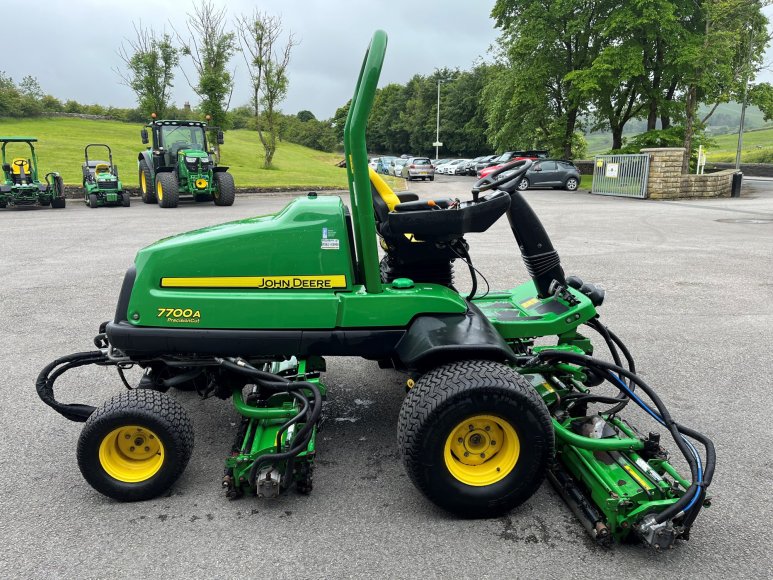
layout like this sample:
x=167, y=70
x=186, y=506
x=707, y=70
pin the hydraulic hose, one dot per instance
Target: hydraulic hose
x=44, y=384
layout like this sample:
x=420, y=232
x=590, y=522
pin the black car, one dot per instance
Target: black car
x=484, y=162
x=557, y=173
x=469, y=167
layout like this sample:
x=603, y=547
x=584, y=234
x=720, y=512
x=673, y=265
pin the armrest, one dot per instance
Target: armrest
x=424, y=204
x=407, y=196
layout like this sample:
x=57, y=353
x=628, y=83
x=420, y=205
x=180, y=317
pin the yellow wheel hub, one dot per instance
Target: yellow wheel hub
x=482, y=450
x=201, y=183
x=143, y=182
x=159, y=191
x=131, y=454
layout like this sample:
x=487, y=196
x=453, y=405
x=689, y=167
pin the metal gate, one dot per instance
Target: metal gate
x=624, y=175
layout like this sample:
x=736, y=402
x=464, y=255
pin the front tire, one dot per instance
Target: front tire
x=136, y=445
x=225, y=192
x=146, y=183
x=523, y=185
x=126, y=199
x=167, y=189
x=571, y=184
x=93, y=202
x=475, y=438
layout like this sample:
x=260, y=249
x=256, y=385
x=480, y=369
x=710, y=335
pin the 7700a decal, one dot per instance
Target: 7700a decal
x=179, y=314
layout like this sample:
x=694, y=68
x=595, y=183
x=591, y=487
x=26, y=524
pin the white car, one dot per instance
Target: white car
x=457, y=165
x=445, y=168
x=373, y=163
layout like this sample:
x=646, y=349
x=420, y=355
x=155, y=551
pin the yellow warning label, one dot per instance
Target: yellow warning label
x=599, y=163
x=262, y=282
x=530, y=302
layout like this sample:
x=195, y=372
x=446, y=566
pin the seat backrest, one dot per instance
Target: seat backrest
x=384, y=199
x=102, y=168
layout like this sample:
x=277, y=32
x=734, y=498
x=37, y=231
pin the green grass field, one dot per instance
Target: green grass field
x=61, y=143
x=757, y=147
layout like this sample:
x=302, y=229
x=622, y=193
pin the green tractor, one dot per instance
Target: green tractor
x=21, y=185
x=101, y=185
x=502, y=388
x=179, y=163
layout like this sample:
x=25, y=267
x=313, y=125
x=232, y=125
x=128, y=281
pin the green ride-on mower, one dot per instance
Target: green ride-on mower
x=178, y=162
x=21, y=184
x=101, y=184
x=249, y=310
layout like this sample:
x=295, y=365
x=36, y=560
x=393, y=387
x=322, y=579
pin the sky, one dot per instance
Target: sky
x=73, y=47
x=73, y=53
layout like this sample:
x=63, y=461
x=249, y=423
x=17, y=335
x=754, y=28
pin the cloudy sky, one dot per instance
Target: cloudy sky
x=75, y=44
x=73, y=50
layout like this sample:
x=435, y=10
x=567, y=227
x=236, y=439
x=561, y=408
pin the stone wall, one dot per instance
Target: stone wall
x=666, y=180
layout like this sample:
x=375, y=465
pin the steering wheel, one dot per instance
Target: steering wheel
x=20, y=163
x=507, y=183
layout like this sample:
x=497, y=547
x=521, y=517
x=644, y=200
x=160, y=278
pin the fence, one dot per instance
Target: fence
x=623, y=175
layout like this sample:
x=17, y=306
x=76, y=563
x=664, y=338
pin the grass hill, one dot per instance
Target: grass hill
x=62, y=139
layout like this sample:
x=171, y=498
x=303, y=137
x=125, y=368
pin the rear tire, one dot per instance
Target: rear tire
x=126, y=199
x=167, y=189
x=225, y=191
x=93, y=202
x=136, y=445
x=512, y=427
x=571, y=184
x=523, y=185
x=57, y=199
x=146, y=183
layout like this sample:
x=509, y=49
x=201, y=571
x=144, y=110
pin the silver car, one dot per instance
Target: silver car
x=418, y=168
x=395, y=166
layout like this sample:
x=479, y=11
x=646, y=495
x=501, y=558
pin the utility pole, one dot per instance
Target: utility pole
x=743, y=104
x=437, y=134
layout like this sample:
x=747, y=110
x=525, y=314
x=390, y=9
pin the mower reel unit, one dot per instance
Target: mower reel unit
x=178, y=162
x=248, y=310
x=21, y=185
x=101, y=185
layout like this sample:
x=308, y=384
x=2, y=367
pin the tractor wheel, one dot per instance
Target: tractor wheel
x=126, y=199
x=3, y=204
x=136, y=445
x=58, y=199
x=225, y=192
x=475, y=438
x=146, y=183
x=93, y=201
x=167, y=189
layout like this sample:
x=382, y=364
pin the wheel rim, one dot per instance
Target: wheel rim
x=482, y=450
x=131, y=454
x=159, y=191
x=523, y=184
x=571, y=184
x=143, y=182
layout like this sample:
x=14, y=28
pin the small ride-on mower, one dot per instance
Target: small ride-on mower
x=248, y=310
x=179, y=163
x=21, y=185
x=101, y=185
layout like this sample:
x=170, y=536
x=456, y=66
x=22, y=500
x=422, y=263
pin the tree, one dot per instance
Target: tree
x=532, y=94
x=149, y=63
x=267, y=65
x=210, y=47
x=304, y=116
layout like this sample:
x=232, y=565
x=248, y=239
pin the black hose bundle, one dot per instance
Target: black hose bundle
x=47, y=377
x=311, y=411
x=693, y=497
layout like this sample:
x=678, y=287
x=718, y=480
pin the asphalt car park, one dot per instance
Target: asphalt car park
x=688, y=288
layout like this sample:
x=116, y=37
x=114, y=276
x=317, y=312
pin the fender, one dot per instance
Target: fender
x=432, y=340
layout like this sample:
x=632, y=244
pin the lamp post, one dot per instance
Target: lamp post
x=743, y=104
x=437, y=144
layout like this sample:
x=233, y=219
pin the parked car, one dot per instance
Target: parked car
x=418, y=168
x=556, y=173
x=469, y=167
x=457, y=168
x=508, y=156
x=483, y=163
x=383, y=165
x=446, y=167
x=395, y=166
x=438, y=162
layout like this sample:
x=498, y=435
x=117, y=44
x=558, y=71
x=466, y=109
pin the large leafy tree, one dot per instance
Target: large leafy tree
x=149, y=61
x=210, y=47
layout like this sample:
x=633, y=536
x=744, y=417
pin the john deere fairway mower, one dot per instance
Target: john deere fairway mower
x=178, y=162
x=21, y=184
x=101, y=185
x=248, y=310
